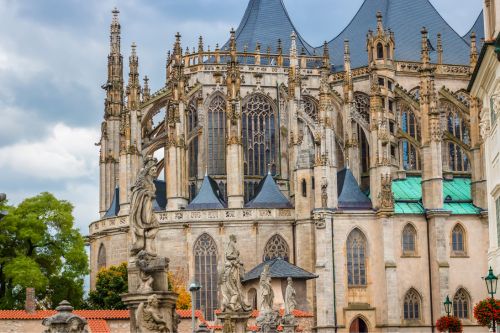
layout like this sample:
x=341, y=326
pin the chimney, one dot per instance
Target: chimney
x=30, y=305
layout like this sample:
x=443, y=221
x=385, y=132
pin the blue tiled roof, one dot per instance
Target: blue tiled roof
x=114, y=208
x=406, y=19
x=264, y=22
x=350, y=195
x=268, y=195
x=279, y=269
x=209, y=196
x=478, y=28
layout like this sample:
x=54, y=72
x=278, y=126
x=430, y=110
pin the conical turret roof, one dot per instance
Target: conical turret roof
x=268, y=195
x=406, y=19
x=350, y=195
x=265, y=22
x=209, y=196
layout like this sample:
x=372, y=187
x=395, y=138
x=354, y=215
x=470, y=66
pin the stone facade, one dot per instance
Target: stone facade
x=386, y=122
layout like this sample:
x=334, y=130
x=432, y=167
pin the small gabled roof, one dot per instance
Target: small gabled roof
x=406, y=19
x=161, y=195
x=114, y=208
x=209, y=196
x=350, y=195
x=268, y=195
x=279, y=269
x=264, y=22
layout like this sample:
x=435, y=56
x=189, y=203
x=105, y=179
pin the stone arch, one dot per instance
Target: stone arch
x=205, y=272
x=276, y=247
x=101, y=257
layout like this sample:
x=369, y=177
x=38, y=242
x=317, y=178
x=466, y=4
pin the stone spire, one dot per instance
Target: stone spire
x=326, y=55
x=439, y=49
x=114, y=86
x=424, y=54
x=473, y=50
x=348, y=86
x=133, y=86
x=380, y=25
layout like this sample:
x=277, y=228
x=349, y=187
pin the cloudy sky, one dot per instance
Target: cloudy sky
x=53, y=62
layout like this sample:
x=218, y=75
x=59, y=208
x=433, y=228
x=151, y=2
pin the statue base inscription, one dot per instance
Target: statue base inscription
x=234, y=322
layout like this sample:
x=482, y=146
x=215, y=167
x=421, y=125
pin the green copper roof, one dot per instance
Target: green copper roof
x=456, y=193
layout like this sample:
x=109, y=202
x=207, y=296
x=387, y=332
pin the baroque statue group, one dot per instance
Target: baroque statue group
x=152, y=302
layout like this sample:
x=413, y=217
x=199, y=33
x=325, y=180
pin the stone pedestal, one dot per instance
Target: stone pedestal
x=157, y=268
x=268, y=322
x=288, y=328
x=166, y=300
x=234, y=322
x=289, y=323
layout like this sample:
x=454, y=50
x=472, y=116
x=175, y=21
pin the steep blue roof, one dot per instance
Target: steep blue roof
x=114, y=208
x=478, y=28
x=264, y=22
x=350, y=195
x=268, y=195
x=209, y=196
x=279, y=269
x=406, y=19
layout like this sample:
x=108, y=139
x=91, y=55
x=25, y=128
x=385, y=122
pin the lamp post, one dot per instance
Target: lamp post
x=193, y=288
x=447, y=305
x=491, y=281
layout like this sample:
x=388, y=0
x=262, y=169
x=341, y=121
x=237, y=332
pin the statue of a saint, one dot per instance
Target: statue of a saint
x=143, y=223
x=266, y=291
x=290, y=302
x=149, y=318
x=230, y=279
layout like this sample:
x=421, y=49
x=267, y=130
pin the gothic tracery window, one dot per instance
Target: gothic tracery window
x=458, y=240
x=101, y=257
x=410, y=126
x=362, y=103
x=461, y=302
x=310, y=107
x=276, y=247
x=205, y=262
x=409, y=240
x=192, y=126
x=356, y=258
x=458, y=127
x=259, y=135
x=412, y=305
x=217, y=136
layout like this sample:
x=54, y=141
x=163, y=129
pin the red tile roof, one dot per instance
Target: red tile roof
x=98, y=326
x=187, y=314
x=296, y=313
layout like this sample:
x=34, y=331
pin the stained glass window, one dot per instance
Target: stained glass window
x=356, y=258
x=409, y=240
x=412, y=306
x=461, y=303
x=192, y=125
x=276, y=247
x=458, y=240
x=101, y=257
x=205, y=261
x=217, y=136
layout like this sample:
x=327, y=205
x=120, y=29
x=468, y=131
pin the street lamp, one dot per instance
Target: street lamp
x=193, y=288
x=491, y=284
x=447, y=305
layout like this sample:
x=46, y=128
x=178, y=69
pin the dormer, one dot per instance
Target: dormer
x=380, y=44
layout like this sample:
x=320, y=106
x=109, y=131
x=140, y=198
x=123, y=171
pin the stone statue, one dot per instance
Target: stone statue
x=143, y=223
x=290, y=302
x=149, y=318
x=266, y=291
x=145, y=277
x=230, y=279
x=65, y=321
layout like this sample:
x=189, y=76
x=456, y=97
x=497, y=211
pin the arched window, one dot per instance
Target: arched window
x=380, y=51
x=101, y=257
x=259, y=135
x=458, y=128
x=310, y=107
x=412, y=305
x=192, y=125
x=205, y=266
x=458, y=240
x=252, y=298
x=409, y=123
x=461, y=303
x=362, y=103
x=409, y=240
x=217, y=136
x=304, y=188
x=356, y=258
x=276, y=247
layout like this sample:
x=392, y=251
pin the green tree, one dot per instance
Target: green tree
x=40, y=248
x=111, y=283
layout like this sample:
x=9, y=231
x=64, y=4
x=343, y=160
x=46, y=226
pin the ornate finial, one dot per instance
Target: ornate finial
x=425, y=57
x=232, y=43
x=134, y=47
x=280, y=47
x=217, y=47
x=380, y=25
x=115, y=12
x=473, y=50
x=200, y=44
x=293, y=46
x=326, y=55
x=257, y=47
x=439, y=49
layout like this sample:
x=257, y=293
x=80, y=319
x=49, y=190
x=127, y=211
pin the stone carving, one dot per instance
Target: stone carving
x=324, y=194
x=149, y=318
x=386, y=197
x=230, y=279
x=290, y=301
x=64, y=321
x=143, y=222
x=266, y=291
x=145, y=277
